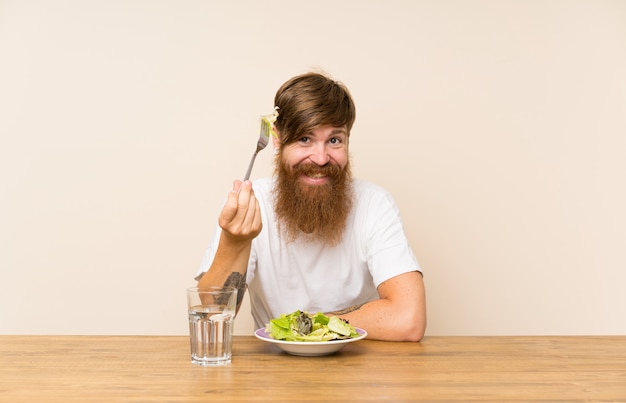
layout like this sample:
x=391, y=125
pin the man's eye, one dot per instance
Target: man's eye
x=303, y=139
x=335, y=140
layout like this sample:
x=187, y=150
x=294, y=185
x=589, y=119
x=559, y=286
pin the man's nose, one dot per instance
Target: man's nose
x=319, y=155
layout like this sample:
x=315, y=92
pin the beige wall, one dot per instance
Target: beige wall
x=498, y=126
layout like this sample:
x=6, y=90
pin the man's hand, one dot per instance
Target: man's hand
x=240, y=221
x=240, y=218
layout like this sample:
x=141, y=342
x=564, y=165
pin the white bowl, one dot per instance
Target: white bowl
x=309, y=348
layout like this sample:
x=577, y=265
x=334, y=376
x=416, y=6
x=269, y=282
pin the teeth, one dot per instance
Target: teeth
x=316, y=176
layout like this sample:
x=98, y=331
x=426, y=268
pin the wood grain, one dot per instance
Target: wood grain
x=158, y=369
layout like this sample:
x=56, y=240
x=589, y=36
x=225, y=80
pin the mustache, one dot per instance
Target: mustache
x=330, y=170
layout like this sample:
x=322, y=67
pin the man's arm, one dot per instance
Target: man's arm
x=240, y=221
x=399, y=314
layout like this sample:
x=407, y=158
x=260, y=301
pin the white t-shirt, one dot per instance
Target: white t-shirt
x=284, y=277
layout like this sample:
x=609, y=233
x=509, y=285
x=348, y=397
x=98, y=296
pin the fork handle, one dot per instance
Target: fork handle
x=249, y=171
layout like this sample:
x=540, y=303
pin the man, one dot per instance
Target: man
x=313, y=238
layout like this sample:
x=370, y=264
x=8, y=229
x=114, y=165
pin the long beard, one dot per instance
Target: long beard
x=320, y=211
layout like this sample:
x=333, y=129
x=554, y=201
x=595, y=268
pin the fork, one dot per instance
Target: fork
x=264, y=137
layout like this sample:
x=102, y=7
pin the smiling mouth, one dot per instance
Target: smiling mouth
x=317, y=174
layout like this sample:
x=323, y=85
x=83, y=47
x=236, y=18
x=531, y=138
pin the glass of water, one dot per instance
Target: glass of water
x=211, y=319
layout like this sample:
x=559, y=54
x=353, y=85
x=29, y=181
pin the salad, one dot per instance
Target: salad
x=302, y=326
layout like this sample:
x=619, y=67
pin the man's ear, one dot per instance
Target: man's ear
x=276, y=139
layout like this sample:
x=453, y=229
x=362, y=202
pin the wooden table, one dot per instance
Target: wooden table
x=157, y=369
